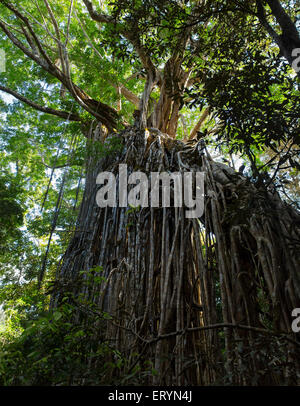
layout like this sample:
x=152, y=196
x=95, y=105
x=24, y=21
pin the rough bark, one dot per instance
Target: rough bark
x=182, y=291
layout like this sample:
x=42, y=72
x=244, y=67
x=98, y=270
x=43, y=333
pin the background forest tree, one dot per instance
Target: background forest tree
x=145, y=296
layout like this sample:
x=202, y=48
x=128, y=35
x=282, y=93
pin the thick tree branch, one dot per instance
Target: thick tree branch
x=283, y=18
x=59, y=113
x=264, y=22
x=197, y=127
x=100, y=18
x=128, y=94
x=289, y=39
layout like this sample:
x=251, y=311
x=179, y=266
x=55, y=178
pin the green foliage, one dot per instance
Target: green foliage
x=273, y=356
x=56, y=347
x=256, y=102
x=11, y=211
x=56, y=350
x=64, y=346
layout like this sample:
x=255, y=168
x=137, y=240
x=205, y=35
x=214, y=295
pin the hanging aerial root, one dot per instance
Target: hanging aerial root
x=168, y=279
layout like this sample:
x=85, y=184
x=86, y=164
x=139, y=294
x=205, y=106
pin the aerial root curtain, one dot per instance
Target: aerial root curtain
x=190, y=295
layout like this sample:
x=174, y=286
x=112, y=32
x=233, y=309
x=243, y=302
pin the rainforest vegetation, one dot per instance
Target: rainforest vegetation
x=140, y=295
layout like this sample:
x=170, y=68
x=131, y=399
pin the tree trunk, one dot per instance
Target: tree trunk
x=206, y=301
